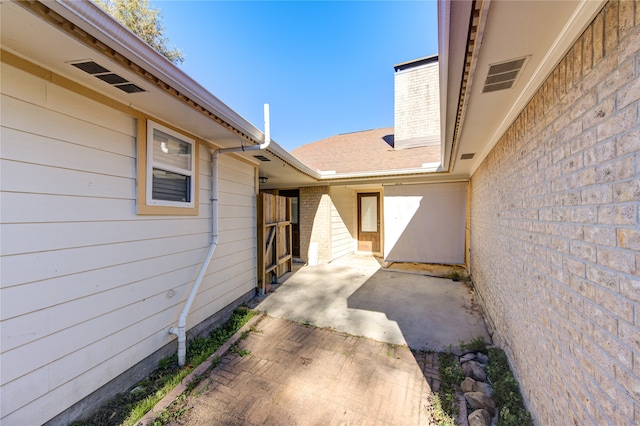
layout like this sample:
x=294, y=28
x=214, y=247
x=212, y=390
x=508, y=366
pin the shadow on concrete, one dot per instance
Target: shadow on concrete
x=354, y=295
x=401, y=307
x=431, y=313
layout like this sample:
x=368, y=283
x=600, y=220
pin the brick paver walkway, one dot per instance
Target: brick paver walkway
x=300, y=375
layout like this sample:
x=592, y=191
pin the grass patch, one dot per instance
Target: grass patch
x=444, y=402
x=506, y=392
x=127, y=408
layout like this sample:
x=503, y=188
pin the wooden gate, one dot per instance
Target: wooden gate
x=274, y=240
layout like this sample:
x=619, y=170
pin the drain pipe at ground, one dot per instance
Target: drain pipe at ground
x=180, y=330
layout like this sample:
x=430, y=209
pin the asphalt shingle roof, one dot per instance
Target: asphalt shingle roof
x=365, y=151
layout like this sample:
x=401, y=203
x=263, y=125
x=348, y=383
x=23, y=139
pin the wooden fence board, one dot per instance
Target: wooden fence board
x=274, y=239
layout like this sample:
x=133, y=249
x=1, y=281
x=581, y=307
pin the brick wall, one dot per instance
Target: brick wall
x=315, y=222
x=555, y=239
x=417, y=106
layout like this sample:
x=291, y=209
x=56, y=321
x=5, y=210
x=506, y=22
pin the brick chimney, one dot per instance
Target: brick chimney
x=417, y=103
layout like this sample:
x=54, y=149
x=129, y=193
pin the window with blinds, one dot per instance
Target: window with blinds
x=170, y=167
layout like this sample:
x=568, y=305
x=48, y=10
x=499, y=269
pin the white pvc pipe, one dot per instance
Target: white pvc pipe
x=267, y=138
x=267, y=128
x=180, y=330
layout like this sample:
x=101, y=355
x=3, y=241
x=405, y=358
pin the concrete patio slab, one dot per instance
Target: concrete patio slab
x=355, y=295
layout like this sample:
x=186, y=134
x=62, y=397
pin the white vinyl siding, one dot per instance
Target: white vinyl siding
x=343, y=225
x=88, y=287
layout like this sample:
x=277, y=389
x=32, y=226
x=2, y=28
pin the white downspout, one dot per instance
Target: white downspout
x=180, y=330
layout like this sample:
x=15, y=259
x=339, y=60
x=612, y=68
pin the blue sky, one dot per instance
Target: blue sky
x=324, y=67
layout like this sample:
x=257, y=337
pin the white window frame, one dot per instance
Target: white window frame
x=151, y=164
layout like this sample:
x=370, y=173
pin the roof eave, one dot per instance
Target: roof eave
x=90, y=18
x=426, y=169
x=452, y=38
x=584, y=13
x=284, y=155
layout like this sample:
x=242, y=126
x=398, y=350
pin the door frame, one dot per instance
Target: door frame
x=379, y=197
x=295, y=239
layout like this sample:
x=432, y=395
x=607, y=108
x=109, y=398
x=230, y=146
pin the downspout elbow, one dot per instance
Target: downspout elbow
x=180, y=330
x=267, y=128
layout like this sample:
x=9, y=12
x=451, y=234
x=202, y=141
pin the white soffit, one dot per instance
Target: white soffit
x=581, y=16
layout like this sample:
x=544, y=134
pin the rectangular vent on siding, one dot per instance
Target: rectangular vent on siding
x=98, y=71
x=503, y=75
x=261, y=157
x=467, y=156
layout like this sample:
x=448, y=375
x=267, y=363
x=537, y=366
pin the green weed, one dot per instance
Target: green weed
x=440, y=416
x=451, y=376
x=127, y=408
x=240, y=352
x=474, y=345
x=506, y=391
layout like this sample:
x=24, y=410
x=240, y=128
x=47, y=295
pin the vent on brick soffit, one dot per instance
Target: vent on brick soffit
x=503, y=75
x=98, y=71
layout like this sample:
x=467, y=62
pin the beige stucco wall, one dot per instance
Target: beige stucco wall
x=425, y=222
x=555, y=237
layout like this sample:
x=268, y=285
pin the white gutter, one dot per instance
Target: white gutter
x=425, y=169
x=444, y=17
x=180, y=330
